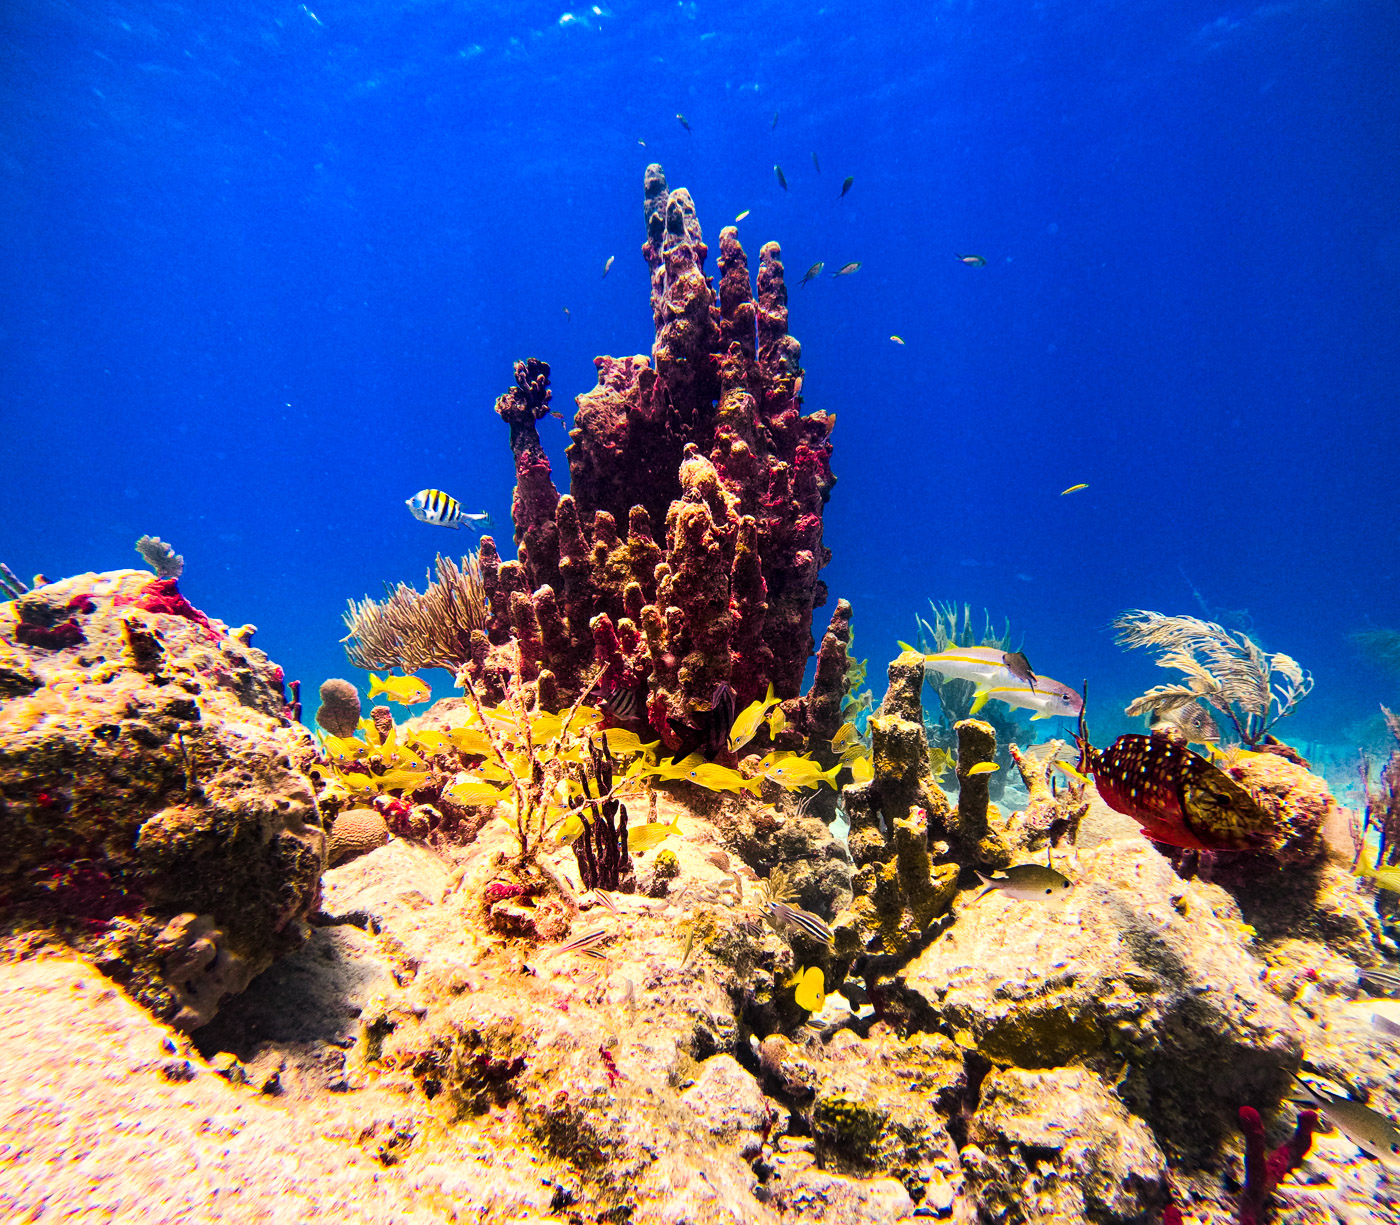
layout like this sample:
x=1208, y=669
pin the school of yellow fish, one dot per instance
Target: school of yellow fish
x=402, y=761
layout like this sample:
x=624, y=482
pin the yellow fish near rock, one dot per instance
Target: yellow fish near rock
x=405, y=690
x=641, y=838
x=811, y=988
x=745, y=726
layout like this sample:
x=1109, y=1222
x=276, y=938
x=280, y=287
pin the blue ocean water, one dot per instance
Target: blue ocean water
x=268, y=265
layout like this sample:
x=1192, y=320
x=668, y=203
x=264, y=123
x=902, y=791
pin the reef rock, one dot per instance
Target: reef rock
x=1058, y=1146
x=1142, y=975
x=151, y=814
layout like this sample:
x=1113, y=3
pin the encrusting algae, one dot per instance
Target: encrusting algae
x=609, y=961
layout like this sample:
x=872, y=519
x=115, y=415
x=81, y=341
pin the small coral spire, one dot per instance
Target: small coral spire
x=1263, y=1172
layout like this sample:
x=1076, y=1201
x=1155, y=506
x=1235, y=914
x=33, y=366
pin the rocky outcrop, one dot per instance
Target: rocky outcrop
x=152, y=814
x=1139, y=974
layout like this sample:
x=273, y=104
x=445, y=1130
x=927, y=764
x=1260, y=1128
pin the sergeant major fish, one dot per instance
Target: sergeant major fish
x=442, y=509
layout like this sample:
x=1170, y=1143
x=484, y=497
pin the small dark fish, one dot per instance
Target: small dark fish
x=972, y=261
x=1179, y=798
x=847, y=269
x=816, y=164
x=607, y=268
x=813, y=272
x=683, y=122
x=1027, y=882
x=846, y=186
x=589, y=944
x=568, y=318
x=1019, y=666
x=774, y=124
x=782, y=181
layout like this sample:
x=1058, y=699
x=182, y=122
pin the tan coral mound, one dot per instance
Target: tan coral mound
x=356, y=832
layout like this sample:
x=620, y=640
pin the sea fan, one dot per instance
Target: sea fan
x=412, y=629
x=1251, y=687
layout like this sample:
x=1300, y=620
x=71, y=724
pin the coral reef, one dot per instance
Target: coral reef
x=161, y=557
x=1263, y=1171
x=895, y=817
x=706, y=440
x=151, y=815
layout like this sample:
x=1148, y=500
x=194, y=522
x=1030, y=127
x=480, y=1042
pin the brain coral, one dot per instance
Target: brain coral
x=356, y=832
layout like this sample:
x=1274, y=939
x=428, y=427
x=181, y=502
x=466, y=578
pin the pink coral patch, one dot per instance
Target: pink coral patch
x=163, y=596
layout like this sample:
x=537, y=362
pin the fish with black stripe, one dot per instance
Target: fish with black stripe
x=443, y=510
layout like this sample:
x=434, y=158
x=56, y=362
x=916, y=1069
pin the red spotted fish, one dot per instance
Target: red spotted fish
x=1178, y=798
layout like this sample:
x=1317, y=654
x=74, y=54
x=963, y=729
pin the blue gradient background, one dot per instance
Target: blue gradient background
x=267, y=266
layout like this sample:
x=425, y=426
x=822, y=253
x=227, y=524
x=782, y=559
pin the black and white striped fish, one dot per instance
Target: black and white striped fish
x=785, y=918
x=627, y=705
x=442, y=509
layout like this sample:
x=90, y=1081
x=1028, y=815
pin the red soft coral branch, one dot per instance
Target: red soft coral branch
x=1263, y=1172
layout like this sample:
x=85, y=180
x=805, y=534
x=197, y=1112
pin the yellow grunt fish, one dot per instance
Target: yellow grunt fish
x=433, y=742
x=862, y=769
x=400, y=780
x=746, y=724
x=344, y=750
x=798, y=772
x=1384, y=878
x=720, y=778
x=405, y=690
x=641, y=838
x=474, y=791
x=846, y=736
x=619, y=740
